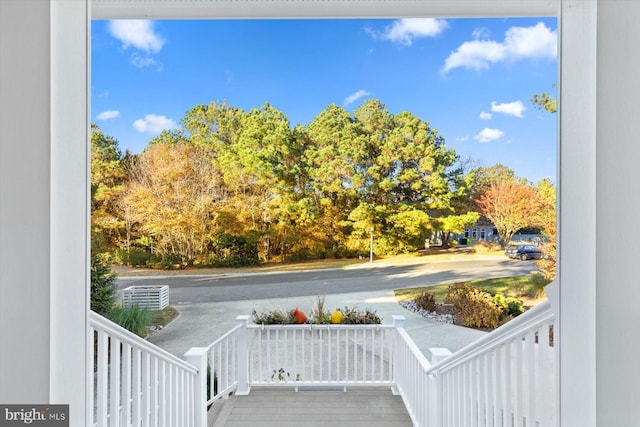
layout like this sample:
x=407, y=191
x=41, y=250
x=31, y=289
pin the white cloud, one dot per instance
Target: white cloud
x=537, y=42
x=154, y=124
x=515, y=108
x=488, y=135
x=481, y=33
x=462, y=138
x=142, y=62
x=353, y=98
x=137, y=33
x=108, y=115
x=485, y=116
x=404, y=31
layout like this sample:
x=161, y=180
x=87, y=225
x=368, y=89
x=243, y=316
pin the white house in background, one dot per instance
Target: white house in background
x=485, y=231
x=482, y=231
x=44, y=215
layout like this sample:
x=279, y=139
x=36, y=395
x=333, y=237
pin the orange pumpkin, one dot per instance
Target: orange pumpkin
x=300, y=316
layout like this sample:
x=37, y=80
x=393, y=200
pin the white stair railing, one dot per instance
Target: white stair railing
x=411, y=380
x=506, y=378
x=135, y=383
x=222, y=365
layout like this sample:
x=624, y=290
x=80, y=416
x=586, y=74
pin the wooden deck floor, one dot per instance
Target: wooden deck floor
x=284, y=407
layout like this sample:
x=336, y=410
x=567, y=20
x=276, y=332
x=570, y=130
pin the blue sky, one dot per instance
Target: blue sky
x=471, y=79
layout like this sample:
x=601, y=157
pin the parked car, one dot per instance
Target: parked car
x=524, y=252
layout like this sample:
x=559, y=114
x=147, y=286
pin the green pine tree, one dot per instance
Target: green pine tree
x=103, y=286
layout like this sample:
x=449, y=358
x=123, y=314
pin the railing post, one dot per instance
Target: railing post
x=398, y=323
x=435, y=384
x=197, y=356
x=436, y=404
x=242, y=352
x=438, y=354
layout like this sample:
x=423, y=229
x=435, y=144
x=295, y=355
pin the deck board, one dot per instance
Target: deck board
x=285, y=407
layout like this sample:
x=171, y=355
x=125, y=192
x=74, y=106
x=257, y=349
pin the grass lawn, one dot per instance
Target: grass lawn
x=161, y=318
x=521, y=287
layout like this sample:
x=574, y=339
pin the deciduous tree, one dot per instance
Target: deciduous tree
x=510, y=205
x=547, y=221
x=173, y=197
x=454, y=224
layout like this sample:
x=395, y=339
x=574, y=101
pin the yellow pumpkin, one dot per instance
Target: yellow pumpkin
x=337, y=316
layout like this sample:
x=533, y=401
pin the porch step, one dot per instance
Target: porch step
x=284, y=407
x=220, y=411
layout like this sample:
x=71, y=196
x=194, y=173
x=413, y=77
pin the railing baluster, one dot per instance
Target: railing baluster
x=162, y=394
x=365, y=359
x=114, y=383
x=145, y=395
x=498, y=387
x=153, y=402
x=531, y=350
x=102, y=378
x=136, y=386
x=92, y=370
x=127, y=353
x=486, y=380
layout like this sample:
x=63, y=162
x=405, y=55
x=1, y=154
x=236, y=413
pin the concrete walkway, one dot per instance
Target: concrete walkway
x=201, y=324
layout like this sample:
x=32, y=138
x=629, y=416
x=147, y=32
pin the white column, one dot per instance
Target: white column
x=70, y=215
x=577, y=207
x=618, y=227
x=24, y=201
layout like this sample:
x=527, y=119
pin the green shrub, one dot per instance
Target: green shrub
x=235, y=251
x=515, y=307
x=473, y=307
x=509, y=306
x=501, y=302
x=425, y=301
x=539, y=282
x=134, y=319
x=134, y=257
x=103, y=286
x=170, y=261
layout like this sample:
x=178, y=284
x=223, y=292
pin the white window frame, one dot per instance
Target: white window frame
x=70, y=38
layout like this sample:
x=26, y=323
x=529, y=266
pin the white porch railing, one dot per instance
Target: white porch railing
x=506, y=378
x=320, y=355
x=135, y=383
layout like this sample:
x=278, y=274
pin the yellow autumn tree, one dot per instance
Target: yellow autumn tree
x=173, y=197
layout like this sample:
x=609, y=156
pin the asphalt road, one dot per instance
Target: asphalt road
x=255, y=286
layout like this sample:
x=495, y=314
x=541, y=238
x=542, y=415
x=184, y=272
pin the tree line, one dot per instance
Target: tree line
x=235, y=187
